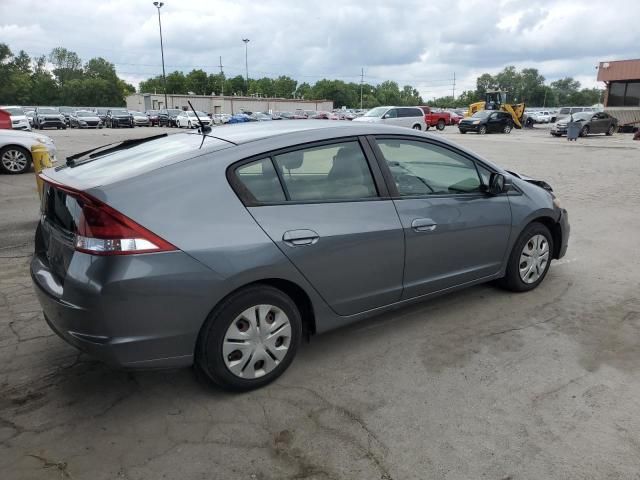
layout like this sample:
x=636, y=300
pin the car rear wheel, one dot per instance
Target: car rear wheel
x=440, y=125
x=482, y=130
x=507, y=129
x=529, y=260
x=611, y=130
x=14, y=160
x=250, y=339
x=585, y=131
x=416, y=127
x=462, y=131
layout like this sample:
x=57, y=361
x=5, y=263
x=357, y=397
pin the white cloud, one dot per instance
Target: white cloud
x=414, y=42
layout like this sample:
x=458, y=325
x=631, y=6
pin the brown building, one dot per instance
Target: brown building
x=622, y=94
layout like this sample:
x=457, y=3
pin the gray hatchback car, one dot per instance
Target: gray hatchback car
x=225, y=249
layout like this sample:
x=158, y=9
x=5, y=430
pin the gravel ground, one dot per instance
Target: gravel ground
x=478, y=384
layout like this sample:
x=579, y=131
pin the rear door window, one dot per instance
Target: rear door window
x=329, y=172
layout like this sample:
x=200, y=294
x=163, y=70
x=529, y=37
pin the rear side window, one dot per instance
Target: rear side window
x=261, y=180
x=330, y=172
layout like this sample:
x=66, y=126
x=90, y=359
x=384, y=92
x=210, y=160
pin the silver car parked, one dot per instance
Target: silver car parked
x=226, y=251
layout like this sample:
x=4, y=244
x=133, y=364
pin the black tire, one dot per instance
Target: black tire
x=427, y=127
x=16, y=148
x=462, y=131
x=440, y=125
x=482, y=130
x=611, y=130
x=209, y=360
x=585, y=131
x=415, y=127
x=512, y=281
x=507, y=129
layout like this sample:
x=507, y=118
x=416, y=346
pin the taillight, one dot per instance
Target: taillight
x=102, y=230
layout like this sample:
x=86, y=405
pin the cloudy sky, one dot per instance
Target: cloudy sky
x=417, y=42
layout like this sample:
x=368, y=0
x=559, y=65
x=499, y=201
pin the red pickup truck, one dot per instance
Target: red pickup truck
x=436, y=119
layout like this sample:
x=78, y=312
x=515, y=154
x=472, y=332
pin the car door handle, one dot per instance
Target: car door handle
x=423, y=225
x=297, y=238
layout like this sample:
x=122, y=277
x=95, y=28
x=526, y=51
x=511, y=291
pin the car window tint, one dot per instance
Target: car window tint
x=261, y=180
x=420, y=168
x=393, y=113
x=329, y=172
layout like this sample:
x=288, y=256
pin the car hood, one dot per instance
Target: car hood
x=540, y=183
x=20, y=134
x=367, y=119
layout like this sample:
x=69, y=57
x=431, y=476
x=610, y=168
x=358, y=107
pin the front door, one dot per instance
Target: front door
x=454, y=232
x=321, y=206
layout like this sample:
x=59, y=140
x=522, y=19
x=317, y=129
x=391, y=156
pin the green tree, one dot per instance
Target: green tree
x=44, y=89
x=484, y=83
x=388, y=93
x=303, y=90
x=564, y=89
x=284, y=87
x=152, y=85
x=235, y=85
x=67, y=64
x=196, y=81
x=176, y=83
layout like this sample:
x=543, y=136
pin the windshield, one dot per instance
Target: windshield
x=119, y=112
x=200, y=114
x=138, y=114
x=376, y=112
x=481, y=114
x=174, y=111
x=564, y=111
x=582, y=116
x=85, y=114
x=47, y=110
x=13, y=110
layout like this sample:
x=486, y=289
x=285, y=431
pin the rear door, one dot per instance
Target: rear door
x=326, y=207
x=454, y=233
x=494, y=123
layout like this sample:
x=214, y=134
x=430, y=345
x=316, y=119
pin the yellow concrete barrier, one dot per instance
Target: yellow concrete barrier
x=41, y=160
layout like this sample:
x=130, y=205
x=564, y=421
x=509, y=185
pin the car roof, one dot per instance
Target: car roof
x=250, y=132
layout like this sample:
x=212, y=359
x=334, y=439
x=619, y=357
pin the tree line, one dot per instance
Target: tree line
x=342, y=93
x=28, y=81
x=526, y=85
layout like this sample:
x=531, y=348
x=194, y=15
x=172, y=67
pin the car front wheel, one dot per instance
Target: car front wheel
x=416, y=127
x=507, y=129
x=529, y=260
x=611, y=130
x=440, y=126
x=14, y=160
x=585, y=131
x=250, y=339
x=482, y=130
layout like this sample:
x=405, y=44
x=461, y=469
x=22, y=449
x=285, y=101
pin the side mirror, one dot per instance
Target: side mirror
x=499, y=184
x=386, y=115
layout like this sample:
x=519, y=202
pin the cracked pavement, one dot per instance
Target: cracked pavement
x=477, y=384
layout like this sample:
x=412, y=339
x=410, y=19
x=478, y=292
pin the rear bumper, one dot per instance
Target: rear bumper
x=142, y=311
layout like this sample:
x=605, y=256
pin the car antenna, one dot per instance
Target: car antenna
x=203, y=128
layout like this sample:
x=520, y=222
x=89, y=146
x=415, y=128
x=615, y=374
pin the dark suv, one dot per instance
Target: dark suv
x=167, y=117
x=119, y=117
x=487, y=121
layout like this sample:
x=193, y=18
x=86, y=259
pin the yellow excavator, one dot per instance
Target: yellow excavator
x=497, y=100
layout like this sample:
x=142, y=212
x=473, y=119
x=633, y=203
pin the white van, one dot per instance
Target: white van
x=410, y=117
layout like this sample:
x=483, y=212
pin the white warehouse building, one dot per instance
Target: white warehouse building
x=227, y=104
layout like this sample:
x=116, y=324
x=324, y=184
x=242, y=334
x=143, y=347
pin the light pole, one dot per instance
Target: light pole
x=159, y=5
x=246, y=61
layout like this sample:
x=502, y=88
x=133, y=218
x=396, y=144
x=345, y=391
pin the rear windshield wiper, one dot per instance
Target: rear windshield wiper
x=110, y=148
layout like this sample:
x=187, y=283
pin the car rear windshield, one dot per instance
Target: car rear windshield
x=141, y=158
x=13, y=110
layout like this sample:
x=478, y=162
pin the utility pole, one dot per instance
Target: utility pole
x=246, y=61
x=454, y=86
x=221, y=84
x=361, y=82
x=159, y=5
